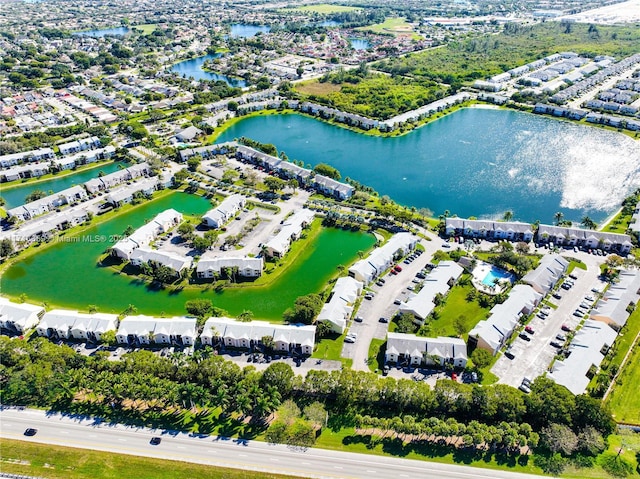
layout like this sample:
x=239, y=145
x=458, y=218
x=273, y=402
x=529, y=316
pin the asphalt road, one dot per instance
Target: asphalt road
x=249, y=455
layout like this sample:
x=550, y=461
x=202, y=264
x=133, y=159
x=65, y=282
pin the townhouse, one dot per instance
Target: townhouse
x=412, y=350
x=144, y=235
x=221, y=214
x=490, y=230
x=287, y=338
x=48, y=203
x=290, y=230
x=330, y=187
x=382, y=258
x=583, y=238
x=438, y=281
x=617, y=303
x=19, y=317
x=492, y=333
x=176, y=262
x=338, y=308
x=79, y=145
x=547, y=274
x=117, y=177
x=26, y=156
x=211, y=267
x=127, y=193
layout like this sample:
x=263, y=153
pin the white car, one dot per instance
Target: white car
x=351, y=338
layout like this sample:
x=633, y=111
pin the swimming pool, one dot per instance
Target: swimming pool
x=496, y=273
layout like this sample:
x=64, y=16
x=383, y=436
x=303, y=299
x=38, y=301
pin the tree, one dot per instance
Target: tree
x=559, y=438
x=274, y=184
x=481, y=358
x=246, y=316
x=34, y=196
x=305, y=309
x=193, y=163
x=316, y=413
x=6, y=248
x=588, y=223
x=200, y=308
x=558, y=217
x=108, y=338
x=522, y=247
x=327, y=170
x=507, y=216
x=590, y=441
x=281, y=376
x=229, y=176
x=186, y=230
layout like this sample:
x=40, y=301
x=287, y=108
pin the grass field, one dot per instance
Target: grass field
x=325, y=8
x=623, y=399
x=392, y=25
x=147, y=28
x=314, y=87
x=54, y=462
x=457, y=307
x=375, y=358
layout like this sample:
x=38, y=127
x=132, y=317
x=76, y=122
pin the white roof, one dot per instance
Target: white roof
x=613, y=305
x=416, y=346
x=339, y=307
x=291, y=227
x=548, y=272
x=586, y=351
x=17, y=313
x=224, y=210
x=207, y=263
x=380, y=258
x=256, y=330
x=174, y=261
x=437, y=281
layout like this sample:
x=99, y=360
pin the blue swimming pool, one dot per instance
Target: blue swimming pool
x=496, y=273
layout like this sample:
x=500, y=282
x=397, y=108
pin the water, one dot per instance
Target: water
x=359, y=43
x=329, y=24
x=474, y=162
x=193, y=69
x=104, y=32
x=241, y=30
x=14, y=196
x=496, y=273
x=66, y=275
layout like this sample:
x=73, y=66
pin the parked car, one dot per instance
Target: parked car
x=398, y=268
x=557, y=295
x=383, y=320
x=524, y=388
x=565, y=328
x=524, y=336
x=578, y=313
x=561, y=337
x=555, y=344
x=385, y=370
x=573, y=276
x=529, y=329
x=368, y=296
x=358, y=319
x=397, y=301
x=509, y=354
x=454, y=377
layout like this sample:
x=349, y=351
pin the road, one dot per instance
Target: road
x=248, y=455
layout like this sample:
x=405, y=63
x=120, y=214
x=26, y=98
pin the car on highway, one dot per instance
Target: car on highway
x=155, y=440
x=529, y=329
x=524, y=336
x=30, y=431
x=383, y=320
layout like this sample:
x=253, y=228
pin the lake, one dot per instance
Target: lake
x=14, y=196
x=473, y=162
x=66, y=274
x=241, y=30
x=103, y=33
x=193, y=69
x=359, y=43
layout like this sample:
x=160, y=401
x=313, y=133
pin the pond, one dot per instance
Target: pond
x=67, y=275
x=473, y=162
x=241, y=30
x=193, y=69
x=104, y=32
x=359, y=43
x=15, y=195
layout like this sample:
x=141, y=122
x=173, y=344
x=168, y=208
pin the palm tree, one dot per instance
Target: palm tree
x=588, y=223
x=507, y=216
x=558, y=217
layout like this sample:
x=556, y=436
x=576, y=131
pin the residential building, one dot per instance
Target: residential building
x=438, y=281
x=582, y=238
x=546, y=275
x=290, y=230
x=221, y=214
x=331, y=187
x=79, y=145
x=117, y=177
x=210, y=267
x=188, y=134
x=412, y=350
x=337, y=310
x=487, y=229
x=177, y=330
x=136, y=330
x=19, y=317
x=57, y=324
x=617, y=303
x=287, y=338
x=72, y=324
x=492, y=333
x=381, y=259
x=586, y=352
x=126, y=194
x=178, y=263
x=144, y=235
x=26, y=156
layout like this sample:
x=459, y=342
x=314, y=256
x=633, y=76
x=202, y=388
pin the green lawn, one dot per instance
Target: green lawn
x=325, y=8
x=623, y=399
x=375, y=358
x=147, y=28
x=392, y=25
x=619, y=223
x=330, y=348
x=55, y=462
x=456, y=306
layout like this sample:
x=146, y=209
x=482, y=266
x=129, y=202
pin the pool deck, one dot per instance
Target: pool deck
x=480, y=272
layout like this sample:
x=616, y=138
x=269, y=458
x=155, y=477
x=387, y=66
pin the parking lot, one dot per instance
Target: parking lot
x=532, y=358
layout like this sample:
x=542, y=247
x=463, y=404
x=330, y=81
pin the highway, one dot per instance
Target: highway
x=209, y=450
